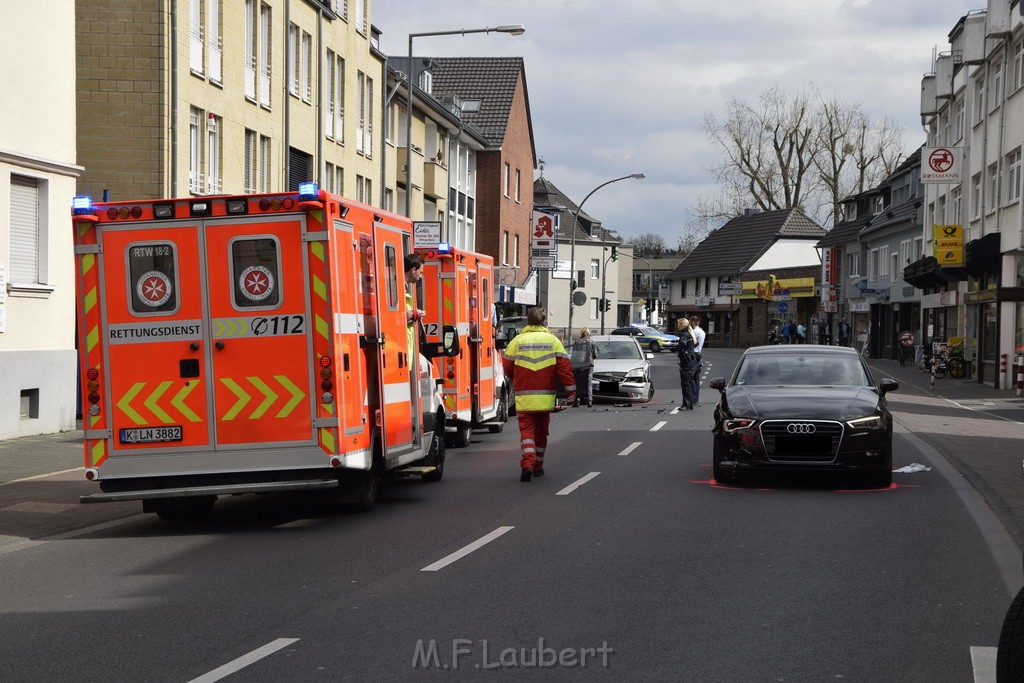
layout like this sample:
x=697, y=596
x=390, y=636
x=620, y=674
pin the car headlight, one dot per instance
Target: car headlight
x=872, y=422
x=735, y=424
x=636, y=374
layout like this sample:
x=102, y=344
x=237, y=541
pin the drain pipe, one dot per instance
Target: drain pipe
x=174, y=100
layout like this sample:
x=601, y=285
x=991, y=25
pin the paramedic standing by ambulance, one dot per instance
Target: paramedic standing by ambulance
x=413, y=274
x=533, y=360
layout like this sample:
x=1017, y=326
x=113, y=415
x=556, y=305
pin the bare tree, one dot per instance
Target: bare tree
x=855, y=153
x=648, y=244
x=794, y=151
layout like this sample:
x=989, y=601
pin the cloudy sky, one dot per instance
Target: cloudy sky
x=622, y=87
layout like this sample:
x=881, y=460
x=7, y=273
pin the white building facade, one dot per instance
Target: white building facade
x=973, y=103
x=37, y=182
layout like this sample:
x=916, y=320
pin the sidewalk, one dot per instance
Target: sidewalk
x=978, y=429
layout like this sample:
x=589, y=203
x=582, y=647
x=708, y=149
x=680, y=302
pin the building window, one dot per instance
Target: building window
x=250, y=171
x=389, y=199
x=214, y=183
x=918, y=248
x=894, y=272
x=214, y=41
x=292, y=68
x=979, y=99
x=593, y=309
x=515, y=250
x=361, y=16
x=306, y=68
x=883, y=262
x=961, y=110
x=340, y=8
x=976, y=195
x=339, y=111
x=265, y=54
x=906, y=253
x=504, y=247
x=505, y=179
x=364, y=128
x=195, y=37
x=195, y=151
x=517, y=184
x=1013, y=177
x=872, y=273
x=264, y=169
x=329, y=177
x=997, y=83
x=956, y=201
x=330, y=80
x=251, y=49
x=993, y=186
x=877, y=204
x=28, y=239
x=853, y=264
x=595, y=268
x=1018, y=64
x=682, y=289
x=850, y=211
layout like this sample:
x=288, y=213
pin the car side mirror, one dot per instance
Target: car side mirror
x=500, y=343
x=649, y=355
x=886, y=385
x=717, y=383
x=448, y=347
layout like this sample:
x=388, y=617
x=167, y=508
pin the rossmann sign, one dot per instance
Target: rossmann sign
x=941, y=164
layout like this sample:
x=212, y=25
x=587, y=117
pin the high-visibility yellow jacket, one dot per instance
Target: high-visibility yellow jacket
x=534, y=359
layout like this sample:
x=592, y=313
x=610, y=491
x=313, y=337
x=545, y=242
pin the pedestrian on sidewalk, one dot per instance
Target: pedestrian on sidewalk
x=687, y=360
x=590, y=353
x=534, y=360
x=844, y=333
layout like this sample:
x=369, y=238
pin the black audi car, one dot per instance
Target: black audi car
x=803, y=407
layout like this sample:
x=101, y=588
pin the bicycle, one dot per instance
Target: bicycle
x=955, y=362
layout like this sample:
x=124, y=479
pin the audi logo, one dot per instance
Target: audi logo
x=800, y=428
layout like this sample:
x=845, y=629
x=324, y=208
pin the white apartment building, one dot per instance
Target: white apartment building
x=37, y=181
x=973, y=102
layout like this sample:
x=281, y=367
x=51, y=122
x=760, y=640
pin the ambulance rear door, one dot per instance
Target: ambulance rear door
x=260, y=328
x=399, y=408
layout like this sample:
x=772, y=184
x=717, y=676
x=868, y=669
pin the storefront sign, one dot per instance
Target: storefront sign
x=796, y=287
x=828, y=274
x=948, y=244
x=941, y=164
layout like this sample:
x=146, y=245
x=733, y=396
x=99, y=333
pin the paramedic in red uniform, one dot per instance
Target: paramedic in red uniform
x=533, y=360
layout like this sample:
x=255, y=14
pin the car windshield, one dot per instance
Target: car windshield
x=578, y=353
x=618, y=350
x=650, y=331
x=798, y=369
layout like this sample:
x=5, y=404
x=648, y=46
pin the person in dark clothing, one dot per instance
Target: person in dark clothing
x=844, y=333
x=687, y=360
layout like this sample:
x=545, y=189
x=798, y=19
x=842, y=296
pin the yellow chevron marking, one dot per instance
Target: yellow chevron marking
x=152, y=402
x=218, y=328
x=318, y=214
x=317, y=249
x=327, y=408
x=243, y=398
x=297, y=396
x=90, y=300
x=327, y=439
x=125, y=403
x=92, y=338
x=98, y=453
x=88, y=261
x=267, y=402
x=321, y=327
x=179, y=402
x=319, y=287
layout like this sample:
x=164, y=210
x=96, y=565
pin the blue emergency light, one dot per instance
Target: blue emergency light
x=309, y=191
x=81, y=205
x=444, y=248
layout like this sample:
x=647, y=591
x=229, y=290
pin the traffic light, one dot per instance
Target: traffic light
x=605, y=304
x=649, y=304
x=615, y=253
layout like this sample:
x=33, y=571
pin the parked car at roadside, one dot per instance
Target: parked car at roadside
x=803, y=407
x=649, y=337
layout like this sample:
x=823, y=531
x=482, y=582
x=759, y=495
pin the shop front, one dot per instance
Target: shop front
x=765, y=305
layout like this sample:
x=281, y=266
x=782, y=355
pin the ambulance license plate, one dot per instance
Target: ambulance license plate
x=150, y=434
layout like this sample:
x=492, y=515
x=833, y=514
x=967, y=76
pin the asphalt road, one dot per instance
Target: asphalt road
x=626, y=557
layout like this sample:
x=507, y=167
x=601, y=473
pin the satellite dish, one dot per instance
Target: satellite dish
x=579, y=297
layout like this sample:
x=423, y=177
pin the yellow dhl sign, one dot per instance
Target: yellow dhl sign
x=770, y=288
x=948, y=244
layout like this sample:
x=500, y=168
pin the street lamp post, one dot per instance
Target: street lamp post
x=512, y=29
x=572, y=245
